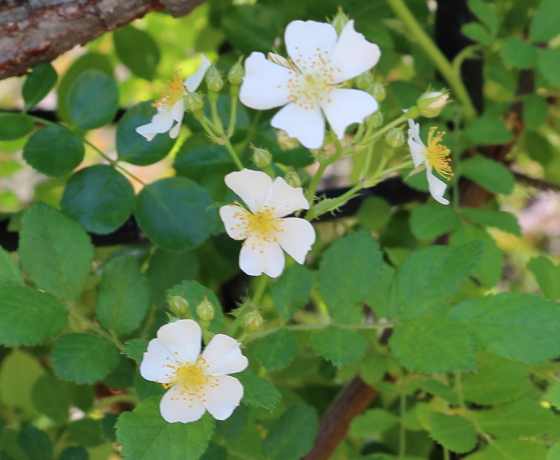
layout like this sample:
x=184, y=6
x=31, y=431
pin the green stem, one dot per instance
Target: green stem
x=446, y=454
x=234, y=92
x=233, y=154
x=465, y=411
x=336, y=202
x=94, y=327
x=402, y=428
x=262, y=283
x=413, y=112
x=436, y=56
x=219, y=137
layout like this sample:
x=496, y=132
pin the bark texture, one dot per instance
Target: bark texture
x=33, y=31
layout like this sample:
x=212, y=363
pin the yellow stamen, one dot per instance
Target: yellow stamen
x=438, y=155
x=261, y=226
x=171, y=93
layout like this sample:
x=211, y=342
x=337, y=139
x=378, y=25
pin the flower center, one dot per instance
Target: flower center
x=170, y=93
x=437, y=155
x=261, y=226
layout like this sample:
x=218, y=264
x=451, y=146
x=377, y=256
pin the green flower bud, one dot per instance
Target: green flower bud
x=377, y=90
x=431, y=103
x=205, y=310
x=339, y=21
x=193, y=102
x=365, y=80
x=252, y=321
x=395, y=138
x=292, y=178
x=179, y=305
x=214, y=80
x=236, y=73
x=261, y=157
x=377, y=119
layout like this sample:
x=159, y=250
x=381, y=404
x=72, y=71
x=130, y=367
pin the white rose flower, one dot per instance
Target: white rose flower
x=196, y=383
x=309, y=84
x=433, y=156
x=171, y=105
x=263, y=226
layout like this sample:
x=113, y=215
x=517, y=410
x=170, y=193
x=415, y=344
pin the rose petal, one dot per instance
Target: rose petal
x=255, y=259
x=353, y=54
x=161, y=123
x=224, y=397
x=251, y=186
x=347, y=106
x=437, y=187
x=283, y=199
x=297, y=237
x=417, y=152
x=178, y=406
x=223, y=356
x=265, y=83
x=305, y=40
x=178, y=110
x=193, y=82
x=306, y=125
x=231, y=216
x=183, y=338
x=174, y=132
x=153, y=366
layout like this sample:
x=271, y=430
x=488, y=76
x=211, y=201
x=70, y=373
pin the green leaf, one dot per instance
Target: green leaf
x=9, y=272
x=518, y=53
x=35, y=443
x=518, y=326
x=379, y=298
x=38, y=83
x=501, y=220
x=277, y=350
x=54, y=151
x=433, y=345
x=50, y=397
x=373, y=421
x=28, y=316
x=430, y=276
x=15, y=126
x=477, y=32
x=439, y=389
x=133, y=147
x=453, y=432
x=99, y=197
x=135, y=349
x=488, y=130
x=93, y=100
x=510, y=449
x=546, y=21
x=87, y=432
x=291, y=292
x=554, y=452
x=547, y=275
x=549, y=65
x=486, y=14
x=137, y=50
x=535, y=111
x=520, y=418
x=492, y=175
x=292, y=435
x=374, y=212
x=430, y=220
x=55, y=251
x=496, y=380
x=83, y=358
x=553, y=395
x=537, y=147
x=340, y=346
x=175, y=213
x=258, y=391
x=349, y=271
x=124, y=295
x=145, y=435
x=74, y=453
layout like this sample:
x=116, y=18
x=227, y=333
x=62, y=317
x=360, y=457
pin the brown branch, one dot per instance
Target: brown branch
x=33, y=31
x=534, y=182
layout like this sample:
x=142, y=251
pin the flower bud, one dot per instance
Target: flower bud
x=252, y=321
x=261, y=157
x=365, y=80
x=236, y=73
x=395, y=138
x=193, y=102
x=431, y=103
x=339, y=21
x=377, y=119
x=205, y=310
x=179, y=305
x=214, y=80
x=377, y=90
x=292, y=178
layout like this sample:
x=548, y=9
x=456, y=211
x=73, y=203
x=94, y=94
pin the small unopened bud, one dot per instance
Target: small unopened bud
x=292, y=178
x=395, y=138
x=236, y=73
x=252, y=321
x=205, y=310
x=377, y=119
x=261, y=157
x=377, y=90
x=339, y=21
x=431, y=103
x=179, y=305
x=193, y=102
x=214, y=80
x=365, y=80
